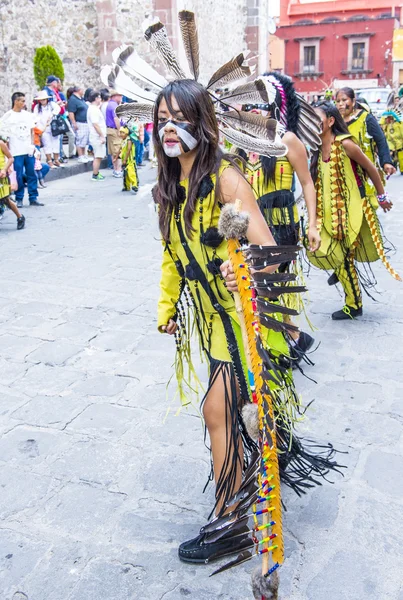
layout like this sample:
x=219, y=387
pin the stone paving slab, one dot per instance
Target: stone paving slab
x=100, y=479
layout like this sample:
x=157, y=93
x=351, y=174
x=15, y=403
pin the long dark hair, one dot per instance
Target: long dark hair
x=293, y=112
x=197, y=108
x=339, y=127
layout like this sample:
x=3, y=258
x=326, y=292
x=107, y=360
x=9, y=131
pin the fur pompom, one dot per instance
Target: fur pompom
x=233, y=224
x=265, y=587
x=251, y=420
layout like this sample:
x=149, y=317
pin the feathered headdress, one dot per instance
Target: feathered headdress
x=136, y=79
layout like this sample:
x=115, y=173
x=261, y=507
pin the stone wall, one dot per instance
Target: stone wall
x=83, y=32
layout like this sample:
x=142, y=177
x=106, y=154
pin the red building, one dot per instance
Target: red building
x=338, y=42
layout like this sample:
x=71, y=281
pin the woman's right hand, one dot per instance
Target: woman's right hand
x=170, y=328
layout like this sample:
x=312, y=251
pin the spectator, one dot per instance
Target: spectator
x=138, y=129
x=70, y=134
x=112, y=130
x=41, y=169
x=44, y=111
x=52, y=86
x=105, y=95
x=77, y=109
x=87, y=94
x=19, y=125
x=97, y=128
x=6, y=160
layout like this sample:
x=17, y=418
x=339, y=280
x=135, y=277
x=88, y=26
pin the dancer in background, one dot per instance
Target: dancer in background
x=6, y=161
x=128, y=158
x=391, y=123
x=272, y=180
x=367, y=131
x=349, y=226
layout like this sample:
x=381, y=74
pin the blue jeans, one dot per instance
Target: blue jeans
x=43, y=172
x=139, y=152
x=26, y=162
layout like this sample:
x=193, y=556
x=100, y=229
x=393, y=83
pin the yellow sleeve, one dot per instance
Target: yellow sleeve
x=171, y=286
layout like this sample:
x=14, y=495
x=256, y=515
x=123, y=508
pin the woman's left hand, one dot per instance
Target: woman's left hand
x=313, y=238
x=3, y=173
x=389, y=169
x=229, y=276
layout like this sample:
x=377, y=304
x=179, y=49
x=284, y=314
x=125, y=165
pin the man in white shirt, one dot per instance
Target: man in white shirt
x=18, y=124
x=97, y=128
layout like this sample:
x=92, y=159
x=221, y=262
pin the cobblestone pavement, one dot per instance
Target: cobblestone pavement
x=97, y=488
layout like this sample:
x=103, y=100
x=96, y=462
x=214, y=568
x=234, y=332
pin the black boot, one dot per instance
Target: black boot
x=347, y=312
x=301, y=347
x=333, y=279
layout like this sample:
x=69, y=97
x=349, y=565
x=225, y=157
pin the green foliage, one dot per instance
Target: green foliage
x=47, y=62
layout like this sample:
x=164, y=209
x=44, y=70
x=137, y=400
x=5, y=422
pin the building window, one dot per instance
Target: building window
x=309, y=64
x=358, y=56
x=358, y=52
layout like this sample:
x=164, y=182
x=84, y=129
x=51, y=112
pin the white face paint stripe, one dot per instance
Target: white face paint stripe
x=182, y=134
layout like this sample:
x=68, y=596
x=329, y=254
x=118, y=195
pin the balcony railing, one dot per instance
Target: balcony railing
x=351, y=65
x=299, y=68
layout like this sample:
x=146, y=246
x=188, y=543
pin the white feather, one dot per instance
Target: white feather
x=123, y=84
x=139, y=68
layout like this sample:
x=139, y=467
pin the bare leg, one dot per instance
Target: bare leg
x=117, y=164
x=13, y=207
x=96, y=163
x=80, y=151
x=49, y=159
x=56, y=159
x=217, y=418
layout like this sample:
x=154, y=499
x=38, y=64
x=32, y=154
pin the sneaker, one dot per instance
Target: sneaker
x=98, y=177
x=86, y=158
x=117, y=173
x=41, y=184
x=135, y=189
x=35, y=203
x=21, y=222
x=19, y=203
x=301, y=347
x=347, y=312
x=82, y=159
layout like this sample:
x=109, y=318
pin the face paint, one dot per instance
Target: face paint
x=184, y=131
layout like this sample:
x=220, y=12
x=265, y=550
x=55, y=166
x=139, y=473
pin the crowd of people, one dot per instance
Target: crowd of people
x=32, y=140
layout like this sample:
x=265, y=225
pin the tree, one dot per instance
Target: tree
x=47, y=62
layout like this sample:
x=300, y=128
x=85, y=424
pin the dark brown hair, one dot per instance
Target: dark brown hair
x=197, y=108
x=349, y=92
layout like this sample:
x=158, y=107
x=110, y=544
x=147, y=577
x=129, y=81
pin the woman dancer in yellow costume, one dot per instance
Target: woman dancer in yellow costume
x=272, y=181
x=350, y=229
x=195, y=180
x=369, y=135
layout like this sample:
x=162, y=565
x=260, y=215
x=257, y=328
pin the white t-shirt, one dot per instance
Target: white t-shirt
x=94, y=116
x=17, y=127
x=44, y=116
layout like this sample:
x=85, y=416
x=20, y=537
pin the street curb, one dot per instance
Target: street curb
x=72, y=168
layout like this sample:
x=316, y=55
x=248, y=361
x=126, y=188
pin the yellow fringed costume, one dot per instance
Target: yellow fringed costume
x=349, y=226
x=128, y=157
x=277, y=204
x=194, y=295
x=358, y=128
x=394, y=135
